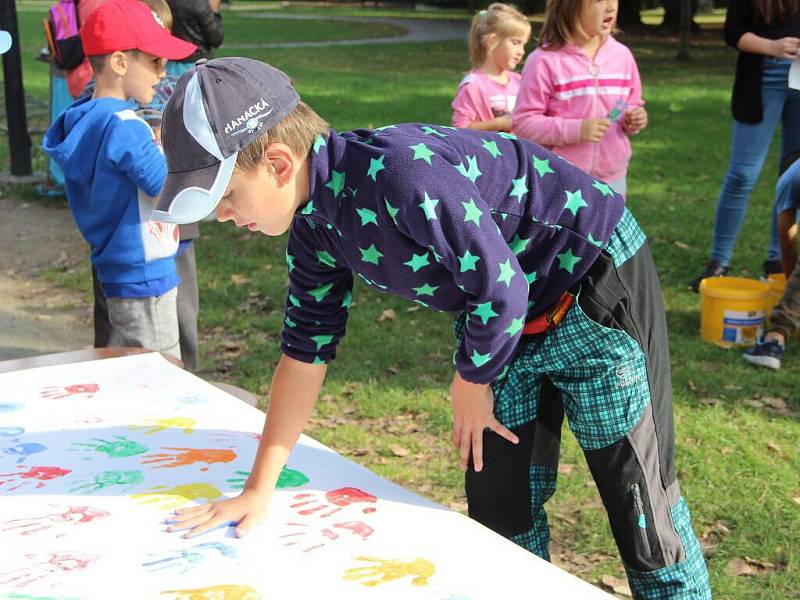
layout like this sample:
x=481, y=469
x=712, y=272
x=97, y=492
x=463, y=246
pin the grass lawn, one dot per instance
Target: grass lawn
x=385, y=401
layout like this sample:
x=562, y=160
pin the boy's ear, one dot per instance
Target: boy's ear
x=118, y=63
x=281, y=162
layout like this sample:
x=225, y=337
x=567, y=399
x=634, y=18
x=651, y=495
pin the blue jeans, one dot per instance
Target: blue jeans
x=749, y=146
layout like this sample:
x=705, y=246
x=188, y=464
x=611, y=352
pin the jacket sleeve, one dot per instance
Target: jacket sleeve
x=210, y=24
x=132, y=149
x=738, y=21
x=467, y=106
x=530, y=117
x=453, y=221
x=318, y=301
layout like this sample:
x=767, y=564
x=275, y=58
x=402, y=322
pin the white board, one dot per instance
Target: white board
x=94, y=456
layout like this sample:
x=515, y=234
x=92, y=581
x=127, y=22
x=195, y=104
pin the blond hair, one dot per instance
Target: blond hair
x=297, y=130
x=562, y=23
x=162, y=11
x=501, y=20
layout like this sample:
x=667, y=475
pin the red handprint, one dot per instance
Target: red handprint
x=340, y=497
x=300, y=532
x=42, y=474
x=73, y=515
x=53, y=392
x=55, y=563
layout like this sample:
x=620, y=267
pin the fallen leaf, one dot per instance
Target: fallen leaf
x=730, y=386
x=691, y=385
x=754, y=403
x=327, y=398
x=348, y=410
x=738, y=567
x=616, y=585
x=681, y=245
x=567, y=519
x=775, y=448
x=399, y=450
x=796, y=500
x=776, y=403
x=727, y=450
x=387, y=315
x=414, y=308
x=709, y=401
x=565, y=468
x=359, y=452
x=239, y=279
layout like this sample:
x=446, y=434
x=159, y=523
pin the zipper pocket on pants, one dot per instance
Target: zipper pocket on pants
x=641, y=519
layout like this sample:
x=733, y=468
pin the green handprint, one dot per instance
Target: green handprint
x=287, y=479
x=106, y=479
x=120, y=447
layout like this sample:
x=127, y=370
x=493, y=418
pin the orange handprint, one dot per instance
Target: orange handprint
x=389, y=569
x=183, y=457
x=216, y=592
x=53, y=392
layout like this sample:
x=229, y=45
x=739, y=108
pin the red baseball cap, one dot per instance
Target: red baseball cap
x=130, y=25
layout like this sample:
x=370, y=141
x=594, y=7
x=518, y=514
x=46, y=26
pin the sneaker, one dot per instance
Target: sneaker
x=771, y=267
x=713, y=269
x=765, y=354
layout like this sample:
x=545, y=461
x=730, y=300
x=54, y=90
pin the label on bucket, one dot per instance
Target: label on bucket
x=742, y=326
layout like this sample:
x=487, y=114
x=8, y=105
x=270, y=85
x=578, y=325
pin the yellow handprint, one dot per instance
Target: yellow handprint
x=216, y=592
x=389, y=569
x=152, y=426
x=167, y=498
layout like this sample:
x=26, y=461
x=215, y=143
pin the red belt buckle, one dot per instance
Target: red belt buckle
x=550, y=318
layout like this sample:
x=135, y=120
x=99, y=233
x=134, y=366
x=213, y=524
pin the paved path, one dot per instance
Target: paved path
x=418, y=31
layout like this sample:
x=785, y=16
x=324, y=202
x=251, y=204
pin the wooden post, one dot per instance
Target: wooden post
x=19, y=140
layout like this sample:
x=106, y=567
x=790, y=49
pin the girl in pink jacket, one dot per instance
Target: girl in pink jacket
x=487, y=94
x=580, y=94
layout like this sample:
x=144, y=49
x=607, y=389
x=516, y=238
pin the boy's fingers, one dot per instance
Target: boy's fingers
x=246, y=525
x=192, y=510
x=212, y=523
x=502, y=431
x=477, y=449
x=456, y=433
x=465, y=443
x=187, y=522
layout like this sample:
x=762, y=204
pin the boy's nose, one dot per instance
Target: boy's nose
x=223, y=214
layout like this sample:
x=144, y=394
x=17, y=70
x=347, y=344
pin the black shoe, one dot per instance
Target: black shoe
x=713, y=269
x=771, y=267
x=765, y=354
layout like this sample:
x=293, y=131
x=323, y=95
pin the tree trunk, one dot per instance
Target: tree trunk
x=686, y=20
x=629, y=13
x=19, y=140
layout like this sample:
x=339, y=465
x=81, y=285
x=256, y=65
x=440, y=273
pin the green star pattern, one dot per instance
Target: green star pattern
x=289, y=322
x=367, y=216
x=294, y=301
x=336, y=183
x=426, y=290
x=321, y=340
x=568, y=260
x=519, y=244
x=574, y=202
x=371, y=254
x=531, y=277
x=508, y=136
x=541, y=165
x=471, y=172
x=507, y=272
x=308, y=208
x=484, y=312
x=318, y=361
x=290, y=262
x=375, y=166
x=516, y=326
x=422, y=152
x=325, y=258
x=472, y=212
x=418, y=261
x=320, y=292
x=604, y=188
x=429, y=206
x=597, y=243
x=432, y=131
x=347, y=300
x=480, y=359
x=436, y=256
x=491, y=148
x=319, y=142
x=468, y=261
x=391, y=210
x=520, y=188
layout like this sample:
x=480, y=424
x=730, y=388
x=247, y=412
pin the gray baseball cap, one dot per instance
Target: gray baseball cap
x=218, y=107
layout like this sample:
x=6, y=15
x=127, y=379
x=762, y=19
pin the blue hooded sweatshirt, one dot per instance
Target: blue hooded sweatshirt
x=111, y=165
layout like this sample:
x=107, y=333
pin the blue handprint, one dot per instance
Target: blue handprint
x=11, y=432
x=181, y=561
x=23, y=451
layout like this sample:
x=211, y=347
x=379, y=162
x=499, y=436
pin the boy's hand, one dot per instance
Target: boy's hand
x=246, y=510
x=635, y=119
x=473, y=412
x=593, y=130
x=503, y=122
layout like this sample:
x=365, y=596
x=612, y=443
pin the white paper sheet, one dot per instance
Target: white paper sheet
x=794, y=74
x=94, y=456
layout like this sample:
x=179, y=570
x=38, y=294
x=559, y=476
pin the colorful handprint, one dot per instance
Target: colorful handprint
x=9, y=406
x=182, y=457
x=336, y=500
x=389, y=569
x=46, y=566
x=11, y=432
x=180, y=561
x=53, y=392
x=216, y=592
x=299, y=534
x=151, y=426
x=108, y=479
x=73, y=515
x=288, y=478
x=23, y=451
x=170, y=498
x=119, y=447
x=27, y=477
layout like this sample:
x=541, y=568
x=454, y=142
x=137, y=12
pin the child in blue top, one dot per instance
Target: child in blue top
x=557, y=291
x=112, y=164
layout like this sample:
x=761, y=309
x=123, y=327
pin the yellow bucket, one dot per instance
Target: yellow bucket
x=776, y=284
x=732, y=312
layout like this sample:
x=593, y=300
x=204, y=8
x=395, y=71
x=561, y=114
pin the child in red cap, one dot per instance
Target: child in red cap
x=113, y=168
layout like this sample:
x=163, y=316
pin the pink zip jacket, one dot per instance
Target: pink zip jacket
x=562, y=87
